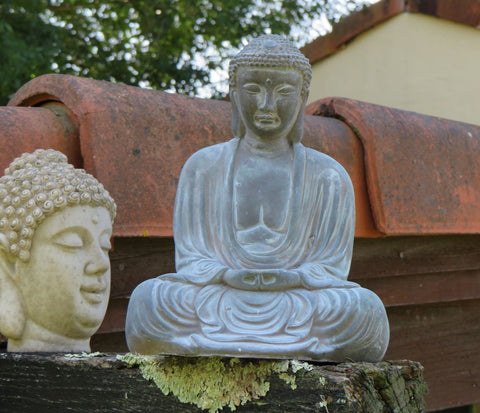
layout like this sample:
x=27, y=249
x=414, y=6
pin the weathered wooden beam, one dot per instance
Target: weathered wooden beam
x=430, y=286
x=100, y=383
x=445, y=338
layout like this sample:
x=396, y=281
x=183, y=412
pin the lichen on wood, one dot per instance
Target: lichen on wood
x=212, y=383
x=102, y=382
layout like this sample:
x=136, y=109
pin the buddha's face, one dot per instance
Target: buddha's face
x=66, y=283
x=268, y=100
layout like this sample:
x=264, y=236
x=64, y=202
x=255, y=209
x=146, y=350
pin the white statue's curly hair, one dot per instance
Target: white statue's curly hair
x=272, y=50
x=36, y=186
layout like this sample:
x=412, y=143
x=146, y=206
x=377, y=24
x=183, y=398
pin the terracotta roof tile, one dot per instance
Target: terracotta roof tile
x=412, y=174
x=422, y=172
x=135, y=141
x=460, y=11
x=26, y=129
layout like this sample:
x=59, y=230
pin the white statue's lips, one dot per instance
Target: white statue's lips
x=93, y=293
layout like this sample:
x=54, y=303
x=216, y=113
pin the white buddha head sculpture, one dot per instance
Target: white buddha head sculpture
x=269, y=62
x=55, y=229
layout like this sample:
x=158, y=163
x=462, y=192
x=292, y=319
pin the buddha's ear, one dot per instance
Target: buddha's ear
x=12, y=314
x=6, y=262
x=296, y=133
x=238, y=128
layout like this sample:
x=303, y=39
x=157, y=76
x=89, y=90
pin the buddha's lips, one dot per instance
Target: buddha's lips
x=93, y=293
x=266, y=118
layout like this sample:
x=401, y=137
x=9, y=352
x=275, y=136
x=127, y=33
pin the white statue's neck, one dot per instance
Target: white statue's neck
x=37, y=338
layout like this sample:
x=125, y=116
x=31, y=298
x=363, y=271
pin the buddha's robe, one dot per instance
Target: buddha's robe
x=194, y=312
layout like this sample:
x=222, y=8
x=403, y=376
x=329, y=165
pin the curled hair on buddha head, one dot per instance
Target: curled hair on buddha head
x=36, y=186
x=270, y=51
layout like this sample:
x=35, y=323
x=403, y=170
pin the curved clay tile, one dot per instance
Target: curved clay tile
x=26, y=129
x=135, y=141
x=422, y=172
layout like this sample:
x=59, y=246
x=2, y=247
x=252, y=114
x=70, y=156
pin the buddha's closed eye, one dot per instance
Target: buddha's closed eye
x=252, y=88
x=286, y=90
x=69, y=240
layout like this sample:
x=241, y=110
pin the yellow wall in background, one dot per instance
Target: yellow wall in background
x=412, y=62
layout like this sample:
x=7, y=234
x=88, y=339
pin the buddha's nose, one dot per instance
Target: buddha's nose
x=98, y=262
x=268, y=101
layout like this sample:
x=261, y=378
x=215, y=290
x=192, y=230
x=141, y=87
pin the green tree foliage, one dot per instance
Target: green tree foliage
x=163, y=44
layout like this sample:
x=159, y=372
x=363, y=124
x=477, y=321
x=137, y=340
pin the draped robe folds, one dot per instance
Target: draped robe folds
x=194, y=312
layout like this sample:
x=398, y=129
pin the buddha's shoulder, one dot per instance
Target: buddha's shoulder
x=324, y=163
x=209, y=156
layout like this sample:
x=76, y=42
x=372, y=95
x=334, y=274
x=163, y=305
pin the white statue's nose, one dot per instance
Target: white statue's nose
x=98, y=263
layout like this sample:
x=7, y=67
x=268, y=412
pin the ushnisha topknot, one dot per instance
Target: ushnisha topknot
x=272, y=50
x=36, y=186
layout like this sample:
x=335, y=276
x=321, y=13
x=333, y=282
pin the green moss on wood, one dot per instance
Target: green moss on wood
x=212, y=383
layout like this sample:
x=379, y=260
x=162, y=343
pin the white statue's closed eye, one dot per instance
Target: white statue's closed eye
x=55, y=229
x=263, y=234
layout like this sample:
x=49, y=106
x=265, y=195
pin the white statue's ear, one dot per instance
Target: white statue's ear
x=12, y=314
x=238, y=128
x=6, y=258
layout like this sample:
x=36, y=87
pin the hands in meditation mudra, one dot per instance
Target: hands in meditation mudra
x=263, y=232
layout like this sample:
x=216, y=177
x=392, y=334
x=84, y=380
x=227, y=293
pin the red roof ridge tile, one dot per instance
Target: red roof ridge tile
x=412, y=174
x=420, y=170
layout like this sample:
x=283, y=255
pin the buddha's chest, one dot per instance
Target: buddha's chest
x=262, y=191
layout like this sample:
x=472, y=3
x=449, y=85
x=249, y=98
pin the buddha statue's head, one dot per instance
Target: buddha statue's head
x=55, y=229
x=269, y=85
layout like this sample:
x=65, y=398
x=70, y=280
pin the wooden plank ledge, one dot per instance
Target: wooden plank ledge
x=101, y=382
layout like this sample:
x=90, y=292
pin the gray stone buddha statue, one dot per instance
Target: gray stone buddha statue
x=263, y=232
x=55, y=229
